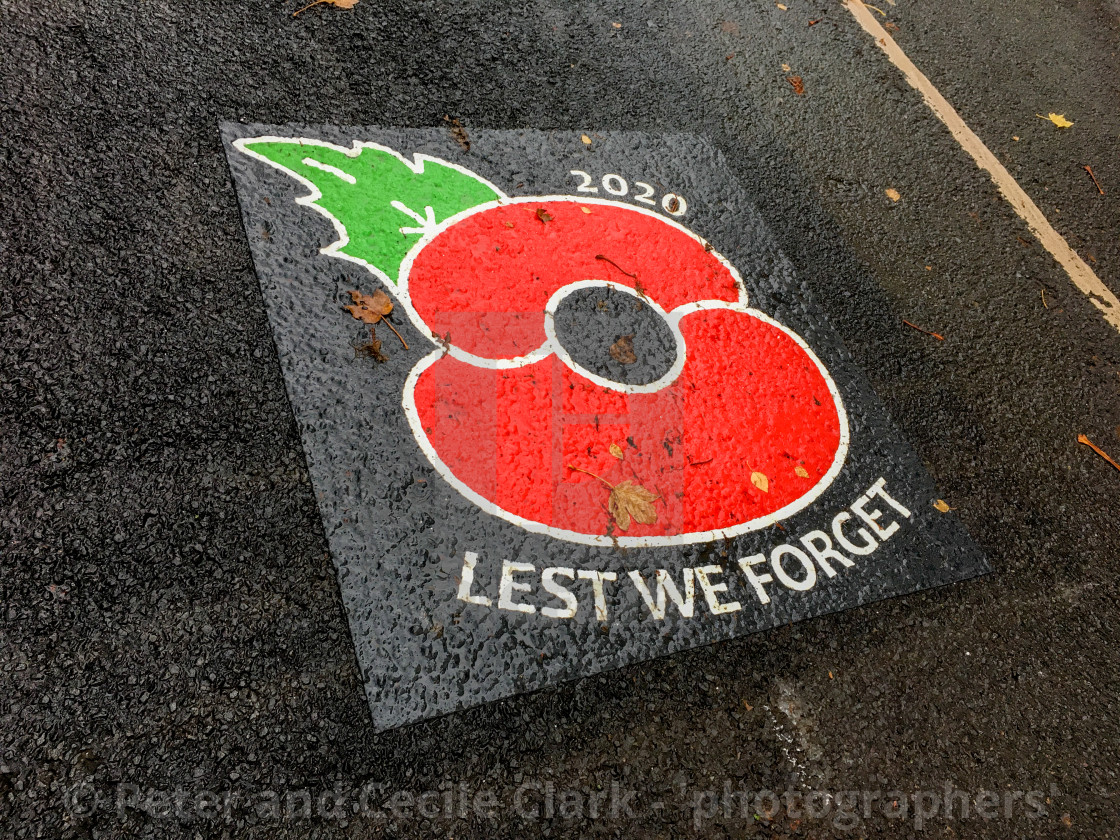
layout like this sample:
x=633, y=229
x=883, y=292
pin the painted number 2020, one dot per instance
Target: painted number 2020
x=616, y=185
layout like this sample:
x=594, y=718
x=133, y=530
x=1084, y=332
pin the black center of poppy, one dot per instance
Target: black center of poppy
x=615, y=335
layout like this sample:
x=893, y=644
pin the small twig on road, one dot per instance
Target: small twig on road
x=1097, y=449
x=927, y=332
x=1096, y=183
x=586, y=472
x=385, y=321
x=616, y=265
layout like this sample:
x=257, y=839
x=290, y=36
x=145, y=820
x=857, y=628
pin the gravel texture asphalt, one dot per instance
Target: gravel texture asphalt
x=170, y=617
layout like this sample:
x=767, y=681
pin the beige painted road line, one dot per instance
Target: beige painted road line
x=1079, y=272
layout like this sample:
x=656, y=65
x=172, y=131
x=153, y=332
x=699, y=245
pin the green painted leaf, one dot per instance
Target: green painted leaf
x=383, y=204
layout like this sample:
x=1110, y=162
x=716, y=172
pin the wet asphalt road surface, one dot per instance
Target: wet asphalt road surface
x=170, y=618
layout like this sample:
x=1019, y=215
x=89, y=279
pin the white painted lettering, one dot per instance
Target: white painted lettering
x=820, y=553
x=879, y=489
x=871, y=518
x=820, y=546
x=507, y=586
x=758, y=581
x=712, y=590
x=548, y=581
x=466, y=581
x=869, y=542
x=667, y=588
x=597, y=579
x=784, y=577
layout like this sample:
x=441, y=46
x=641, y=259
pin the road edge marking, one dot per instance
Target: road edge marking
x=1079, y=272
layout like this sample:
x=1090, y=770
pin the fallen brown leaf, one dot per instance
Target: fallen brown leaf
x=760, y=481
x=543, y=215
x=616, y=451
x=942, y=506
x=632, y=500
x=622, y=351
x=798, y=84
x=370, y=309
x=893, y=194
x=627, y=500
x=586, y=140
x=1058, y=119
x=801, y=471
x=457, y=131
x=341, y=4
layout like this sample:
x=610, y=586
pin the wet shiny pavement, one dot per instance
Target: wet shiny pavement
x=171, y=619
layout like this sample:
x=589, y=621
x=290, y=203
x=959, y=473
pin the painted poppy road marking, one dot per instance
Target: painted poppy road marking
x=530, y=476
x=1079, y=272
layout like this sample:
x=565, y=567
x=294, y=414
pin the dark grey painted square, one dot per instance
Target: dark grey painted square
x=399, y=534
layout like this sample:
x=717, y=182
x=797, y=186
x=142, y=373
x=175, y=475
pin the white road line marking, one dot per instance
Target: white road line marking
x=1079, y=272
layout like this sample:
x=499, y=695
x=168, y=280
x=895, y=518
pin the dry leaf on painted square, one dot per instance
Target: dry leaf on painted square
x=632, y=500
